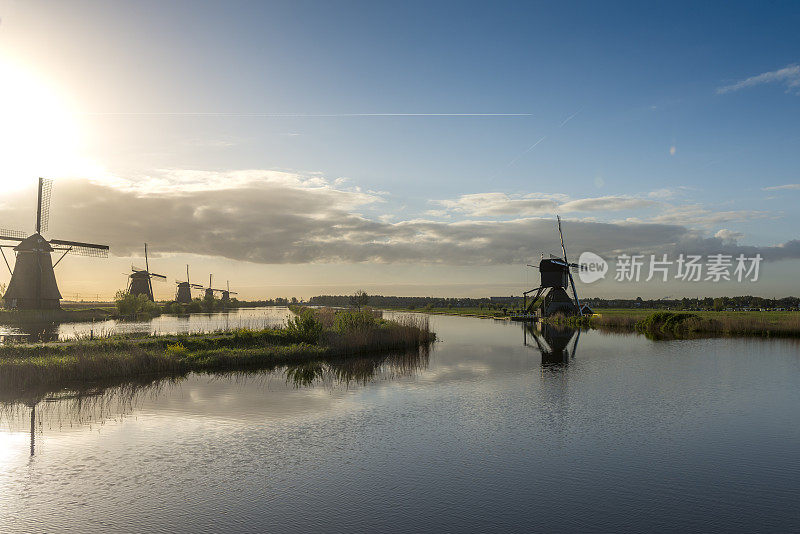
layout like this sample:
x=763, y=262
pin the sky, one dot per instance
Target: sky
x=415, y=148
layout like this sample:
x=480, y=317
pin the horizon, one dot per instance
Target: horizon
x=299, y=149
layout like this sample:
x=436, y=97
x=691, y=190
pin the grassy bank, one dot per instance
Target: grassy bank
x=663, y=325
x=30, y=368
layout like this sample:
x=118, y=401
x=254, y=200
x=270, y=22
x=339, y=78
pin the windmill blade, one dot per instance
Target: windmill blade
x=575, y=345
x=563, y=248
x=154, y=275
x=12, y=235
x=575, y=294
x=43, y=205
x=233, y=293
x=83, y=249
x=196, y=286
x=137, y=269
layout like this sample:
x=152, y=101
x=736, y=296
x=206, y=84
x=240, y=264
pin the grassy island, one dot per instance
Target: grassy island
x=311, y=335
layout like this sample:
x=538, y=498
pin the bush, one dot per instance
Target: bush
x=176, y=350
x=305, y=326
x=348, y=321
x=133, y=305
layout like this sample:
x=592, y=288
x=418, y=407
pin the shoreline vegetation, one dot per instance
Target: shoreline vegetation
x=662, y=324
x=689, y=325
x=310, y=335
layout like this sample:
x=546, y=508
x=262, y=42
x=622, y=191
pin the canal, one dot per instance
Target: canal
x=497, y=428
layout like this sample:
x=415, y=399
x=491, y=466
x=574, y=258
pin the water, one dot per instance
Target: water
x=163, y=324
x=484, y=434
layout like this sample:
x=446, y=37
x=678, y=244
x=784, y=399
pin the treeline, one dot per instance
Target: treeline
x=411, y=303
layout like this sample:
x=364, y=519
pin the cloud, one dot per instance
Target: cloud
x=500, y=204
x=607, y=203
x=700, y=215
x=788, y=76
x=728, y=236
x=781, y=187
x=293, y=219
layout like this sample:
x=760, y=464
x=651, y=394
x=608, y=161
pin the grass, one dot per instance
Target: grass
x=34, y=369
x=669, y=324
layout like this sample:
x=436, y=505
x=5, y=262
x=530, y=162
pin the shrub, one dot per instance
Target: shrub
x=129, y=305
x=304, y=326
x=349, y=321
x=176, y=350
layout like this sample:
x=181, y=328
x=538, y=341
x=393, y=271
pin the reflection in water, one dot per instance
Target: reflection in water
x=37, y=332
x=253, y=318
x=553, y=342
x=96, y=404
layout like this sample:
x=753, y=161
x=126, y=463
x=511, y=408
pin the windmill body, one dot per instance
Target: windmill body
x=33, y=281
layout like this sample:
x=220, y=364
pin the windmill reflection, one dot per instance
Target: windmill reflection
x=38, y=332
x=553, y=341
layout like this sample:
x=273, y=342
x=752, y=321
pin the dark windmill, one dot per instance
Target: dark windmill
x=33, y=281
x=184, y=292
x=551, y=296
x=226, y=293
x=140, y=281
x=209, y=295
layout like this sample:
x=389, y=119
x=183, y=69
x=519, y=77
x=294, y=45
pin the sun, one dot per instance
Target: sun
x=40, y=134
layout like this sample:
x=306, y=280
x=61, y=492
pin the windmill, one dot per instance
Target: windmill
x=184, y=292
x=140, y=280
x=226, y=293
x=556, y=277
x=209, y=295
x=33, y=281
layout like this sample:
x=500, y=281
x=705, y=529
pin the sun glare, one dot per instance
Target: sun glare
x=39, y=132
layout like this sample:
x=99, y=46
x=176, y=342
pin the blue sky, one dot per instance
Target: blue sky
x=643, y=106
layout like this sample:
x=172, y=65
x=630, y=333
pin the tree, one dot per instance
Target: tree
x=359, y=299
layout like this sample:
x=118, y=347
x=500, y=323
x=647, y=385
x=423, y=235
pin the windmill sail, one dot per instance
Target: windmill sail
x=43, y=205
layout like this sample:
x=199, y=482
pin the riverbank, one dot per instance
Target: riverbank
x=676, y=325
x=39, y=368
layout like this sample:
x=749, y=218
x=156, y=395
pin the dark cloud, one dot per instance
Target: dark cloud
x=269, y=222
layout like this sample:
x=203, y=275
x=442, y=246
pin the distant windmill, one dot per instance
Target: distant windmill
x=184, y=292
x=226, y=293
x=33, y=281
x=555, y=278
x=209, y=291
x=140, y=281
